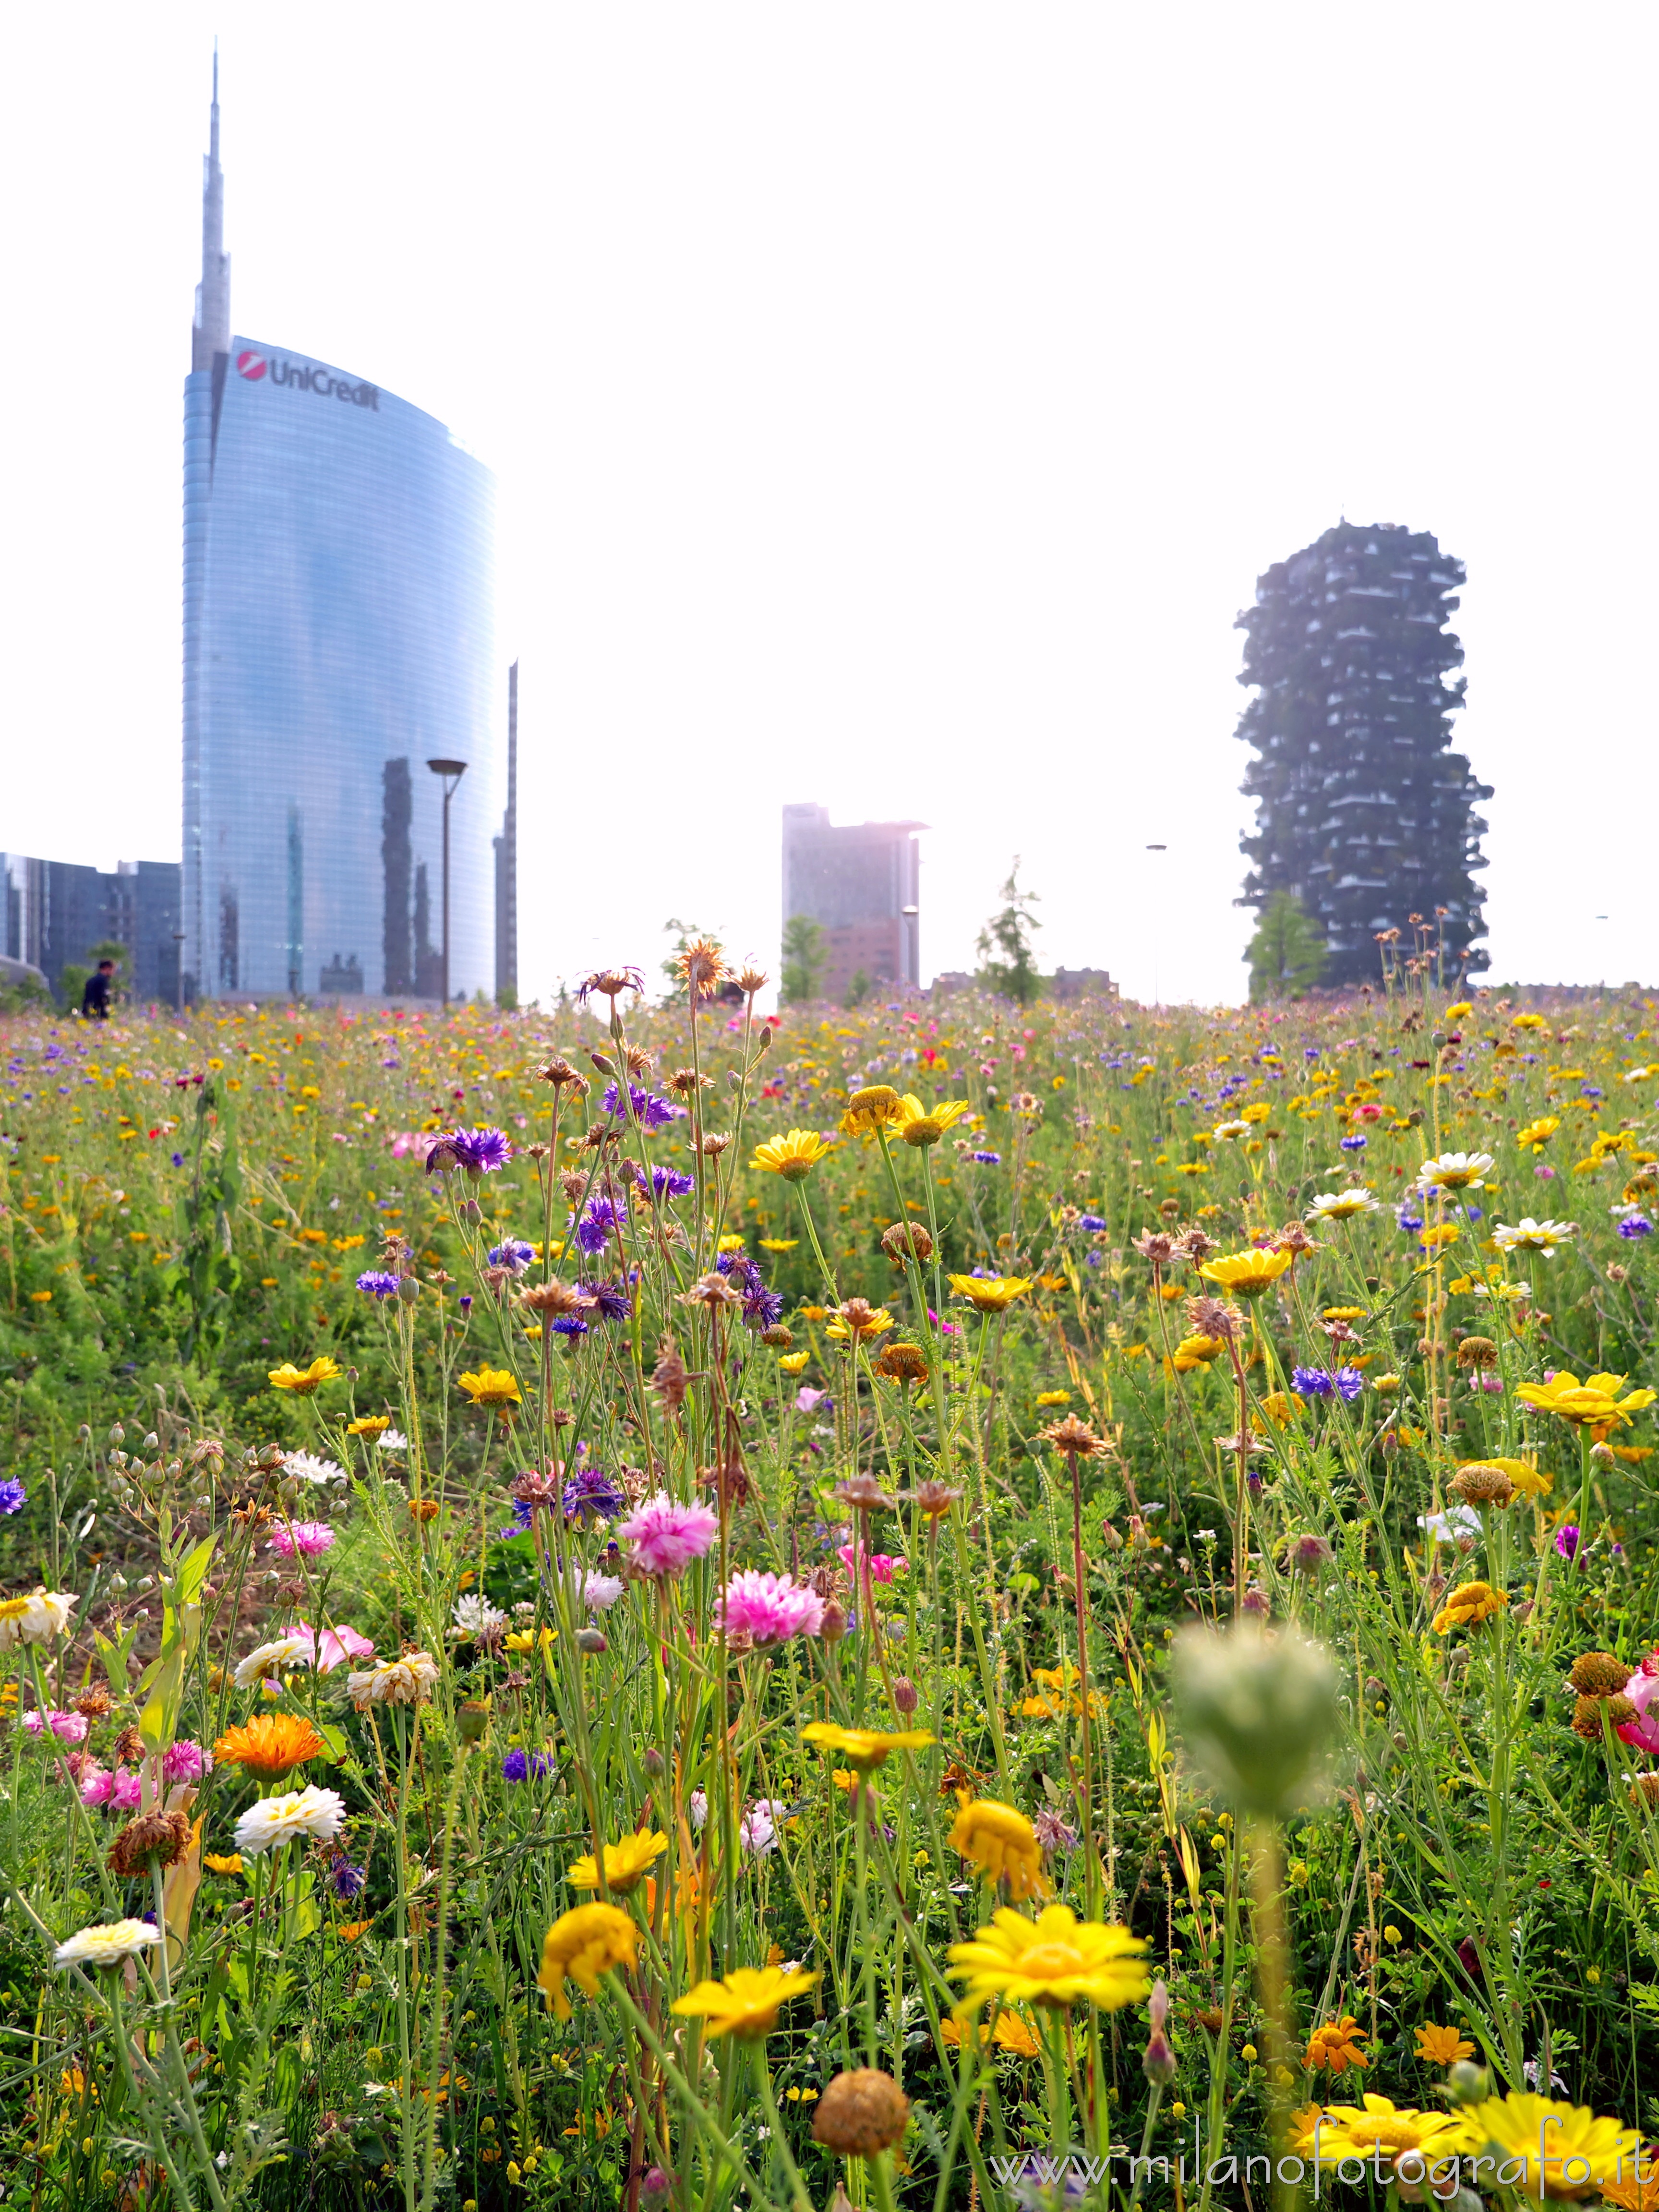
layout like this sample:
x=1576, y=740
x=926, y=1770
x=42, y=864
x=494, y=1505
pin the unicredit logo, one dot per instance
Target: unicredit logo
x=300, y=376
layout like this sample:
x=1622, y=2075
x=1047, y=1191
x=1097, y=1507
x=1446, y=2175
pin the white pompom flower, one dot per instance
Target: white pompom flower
x=110, y=1943
x=270, y=1822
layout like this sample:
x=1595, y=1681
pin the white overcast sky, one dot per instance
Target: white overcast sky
x=892, y=405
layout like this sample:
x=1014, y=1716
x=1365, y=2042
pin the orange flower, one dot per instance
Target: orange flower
x=270, y=1745
x=1336, y=2045
x=1441, y=2046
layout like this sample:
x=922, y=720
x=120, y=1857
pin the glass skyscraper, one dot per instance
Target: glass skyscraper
x=338, y=638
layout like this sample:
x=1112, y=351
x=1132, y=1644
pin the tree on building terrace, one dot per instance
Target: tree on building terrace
x=1362, y=814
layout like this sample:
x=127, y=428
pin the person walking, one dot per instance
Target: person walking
x=94, y=998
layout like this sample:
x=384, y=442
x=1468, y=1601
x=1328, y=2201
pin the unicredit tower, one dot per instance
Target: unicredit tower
x=338, y=637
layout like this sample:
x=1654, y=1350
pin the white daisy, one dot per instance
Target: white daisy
x=36, y=1618
x=1446, y=1527
x=268, y=1659
x=1341, y=1204
x=476, y=1616
x=1454, y=1171
x=107, y=1945
x=393, y=1440
x=270, y=1822
x=404, y=1681
x=309, y=1468
x=1504, y=1294
x=1226, y=1129
x=1530, y=1235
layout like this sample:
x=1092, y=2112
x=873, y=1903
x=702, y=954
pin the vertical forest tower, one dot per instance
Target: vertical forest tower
x=1362, y=811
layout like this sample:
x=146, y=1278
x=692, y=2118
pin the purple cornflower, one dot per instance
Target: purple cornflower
x=612, y=1300
x=598, y=1218
x=1635, y=1224
x=669, y=1182
x=347, y=1880
x=762, y=1309
x=988, y=1159
x=1566, y=1540
x=375, y=1284
x=1352, y=1144
x=649, y=1111
x=13, y=1496
x=612, y=982
x=590, y=1494
x=525, y=1766
x=478, y=1150
x=515, y=1255
x=569, y=1325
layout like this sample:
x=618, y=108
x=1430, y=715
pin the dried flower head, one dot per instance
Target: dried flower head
x=902, y=1363
x=153, y=1840
x=610, y=983
x=558, y=1072
x=1588, y=1712
x=1216, y=1318
x=858, y=1319
x=932, y=1500
x=862, y=2112
x=1073, y=1438
x=684, y=1081
x=714, y=1291
x=864, y=1492
x=1481, y=1485
x=1159, y=1248
x=752, y=981
x=1598, y=1675
x=555, y=1298
x=1476, y=1352
x=903, y=1241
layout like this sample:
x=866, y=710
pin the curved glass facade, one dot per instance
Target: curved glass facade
x=338, y=634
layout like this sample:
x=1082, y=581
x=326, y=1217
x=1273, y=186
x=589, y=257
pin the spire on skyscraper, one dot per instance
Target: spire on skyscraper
x=210, y=334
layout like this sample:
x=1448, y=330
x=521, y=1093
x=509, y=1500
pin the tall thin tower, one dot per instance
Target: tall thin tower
x=210, y=334
x=506, y=861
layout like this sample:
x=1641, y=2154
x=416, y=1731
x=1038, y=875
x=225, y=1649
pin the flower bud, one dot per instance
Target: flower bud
x=905, y=1696
x=1257, y=1713
x=862, y=2111
x=654, y=1762
x=1469, y=2084
x=591, y=1640
x=1158, y=2061
x=833, y=1627
x=470, y=1211
x=471, y=1719
x=408, y=1289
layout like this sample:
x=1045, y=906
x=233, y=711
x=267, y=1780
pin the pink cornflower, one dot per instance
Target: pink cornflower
x=333, y=1647
x=126, y=1795
x=184, y=1761
x=769, y=1608
x=757, y=1830
x=667, y=1536
x=97, y=1785
x=1642, y=1690
x=307, y=1538
x=882, y=1564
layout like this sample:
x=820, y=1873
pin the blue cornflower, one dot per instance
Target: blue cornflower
x=375, y=1284
x=525, y=1766
x=612, y=1300
x=1590, y=1090
x=519, y=1524
x=1310, y=1052
x=591, y=1495
x=669, y=1182
x=515, y=1255
x=650, y=1112
x=478, y=1150
x=1312, y=1382
x=1633, y=1225
x=347, y=1880
x=1354, y=1144
x=599, y=1217
x=988, y=1159
x=762, y=1309
x=1089, y=1221
x=13, y=1496
x=569, y=1325
x=1410, y=1221
x=178, y=1159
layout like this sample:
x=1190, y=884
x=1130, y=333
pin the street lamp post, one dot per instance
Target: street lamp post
x=178, y=979
x=452, y=771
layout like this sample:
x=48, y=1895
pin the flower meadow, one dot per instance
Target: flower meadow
x=944, y=1605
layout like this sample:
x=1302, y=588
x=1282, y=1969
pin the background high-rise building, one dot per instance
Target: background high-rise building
x=56, y=911
x=861, y=884
x=338, y=636
x=1362, y=811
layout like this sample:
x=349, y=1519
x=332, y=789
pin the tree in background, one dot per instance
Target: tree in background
x=1006, y=964
x=804, y=958
x=1287, y=954
x=1362, y=814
